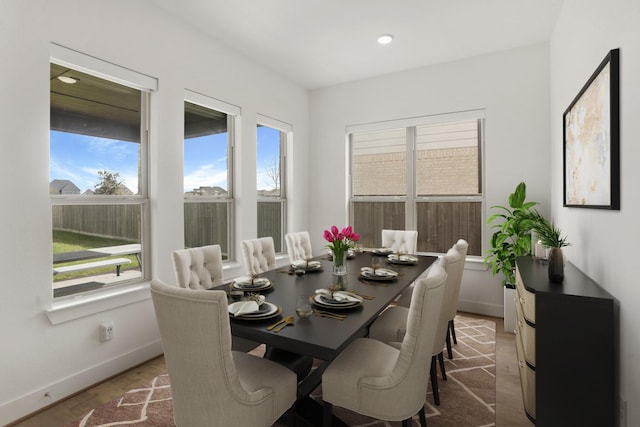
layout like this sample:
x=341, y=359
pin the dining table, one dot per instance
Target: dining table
x=324, y=337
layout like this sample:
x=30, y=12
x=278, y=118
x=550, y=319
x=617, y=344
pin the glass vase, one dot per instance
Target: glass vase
x=340, y=263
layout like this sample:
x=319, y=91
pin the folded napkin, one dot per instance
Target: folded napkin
x=338, y=296
x=403, y=258
x=303, y=263
x=243, y=307
x=382, y=272
x=246, y=281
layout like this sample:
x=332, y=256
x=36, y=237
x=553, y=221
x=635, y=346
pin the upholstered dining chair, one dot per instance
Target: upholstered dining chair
x=201, y=268
x=298, y=246
x=211, y=385
x=259, y=255
x=198, y=268
x=462, y=246
x=381, y=381
x=404, y=241
x=390, y=326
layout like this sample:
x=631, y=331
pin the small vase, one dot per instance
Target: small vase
x=340, y=263
x=556, y=265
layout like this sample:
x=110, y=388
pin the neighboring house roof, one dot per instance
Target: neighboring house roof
x=207, y=191
x=63, y=186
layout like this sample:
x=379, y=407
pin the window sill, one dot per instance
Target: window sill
x=82, y=305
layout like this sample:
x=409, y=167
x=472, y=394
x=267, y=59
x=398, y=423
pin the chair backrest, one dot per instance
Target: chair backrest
x=298, y=246
x=415, y=352
x=453, y=264
x=452, y=307
x=259, y=255
x=198, y=268
x=462, y=246
x=204, y=380
x=404, y=241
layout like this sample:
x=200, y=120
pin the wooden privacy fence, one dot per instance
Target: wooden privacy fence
x=115, y=221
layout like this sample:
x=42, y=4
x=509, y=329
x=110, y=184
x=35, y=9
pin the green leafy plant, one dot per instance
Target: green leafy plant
x=512, y=237
x=548, y=234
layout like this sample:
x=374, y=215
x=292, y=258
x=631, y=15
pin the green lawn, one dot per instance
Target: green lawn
x=67, y=241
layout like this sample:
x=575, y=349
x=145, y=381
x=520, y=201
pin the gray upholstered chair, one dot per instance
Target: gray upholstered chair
x=298, y=246
x=259, y=255
x=381, y=381
x=400, y=241
x=212, y=385
x=201, y=268
x=462, y=246
x=390, y=326
x=198, y=268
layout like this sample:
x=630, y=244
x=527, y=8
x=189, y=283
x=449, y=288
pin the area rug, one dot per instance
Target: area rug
x=467, y=398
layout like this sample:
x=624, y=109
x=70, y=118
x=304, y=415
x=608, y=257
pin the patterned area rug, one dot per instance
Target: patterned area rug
x=467, y=398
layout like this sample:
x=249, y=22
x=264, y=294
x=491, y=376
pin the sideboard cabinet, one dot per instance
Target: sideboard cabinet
x=565, y=346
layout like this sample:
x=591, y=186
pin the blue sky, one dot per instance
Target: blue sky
x=78, y=158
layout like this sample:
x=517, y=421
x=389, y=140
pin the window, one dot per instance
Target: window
x=208, y=171
x=423, y=175
x=97, y=172
x=270, y=160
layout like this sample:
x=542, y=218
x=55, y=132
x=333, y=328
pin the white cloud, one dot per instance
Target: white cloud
x=205, y=175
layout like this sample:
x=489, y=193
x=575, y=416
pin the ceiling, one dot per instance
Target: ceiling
x=323, y=43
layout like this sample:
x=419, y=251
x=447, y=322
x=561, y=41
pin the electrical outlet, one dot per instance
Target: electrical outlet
x=106, y=331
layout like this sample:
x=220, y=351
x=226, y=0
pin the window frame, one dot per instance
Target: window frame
x=233, y=113
x=286, y=133
x=87, y=64
x=412, y=199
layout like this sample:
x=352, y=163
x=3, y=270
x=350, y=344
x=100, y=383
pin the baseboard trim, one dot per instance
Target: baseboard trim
x=494, y=310
x=30, y=403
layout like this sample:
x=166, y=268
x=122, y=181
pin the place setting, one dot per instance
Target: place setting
x=300, y=267
x=253, y=307
x=325, y=298
x=376, y=272
x=402, y=259
x=252, y=284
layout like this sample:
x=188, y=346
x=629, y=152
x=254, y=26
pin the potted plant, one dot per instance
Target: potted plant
x=511, y=239
x=551, y=237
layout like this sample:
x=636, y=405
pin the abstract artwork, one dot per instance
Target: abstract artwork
x=592, y=139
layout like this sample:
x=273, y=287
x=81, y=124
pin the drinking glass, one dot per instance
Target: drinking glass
x=303, y=307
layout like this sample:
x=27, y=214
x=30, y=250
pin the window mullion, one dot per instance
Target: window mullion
x=410, y=210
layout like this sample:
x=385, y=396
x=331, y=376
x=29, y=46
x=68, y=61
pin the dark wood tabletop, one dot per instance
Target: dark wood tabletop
x=321, y=337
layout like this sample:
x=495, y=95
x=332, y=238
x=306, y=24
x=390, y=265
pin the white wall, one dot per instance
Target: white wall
x=35, y=355
x=604, y=243
x=513, y=89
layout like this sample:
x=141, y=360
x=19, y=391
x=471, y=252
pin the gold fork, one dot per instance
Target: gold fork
x=279, y=322
x=329, y=314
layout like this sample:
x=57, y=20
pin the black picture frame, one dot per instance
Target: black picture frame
x=591, y=140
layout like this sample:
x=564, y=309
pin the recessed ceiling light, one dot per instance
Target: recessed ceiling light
x=68, y=80
x=385, y=39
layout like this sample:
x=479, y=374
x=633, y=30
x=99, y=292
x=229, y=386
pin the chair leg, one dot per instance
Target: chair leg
x=291, y=416
x=434, y=381
x=448, y=342
x=327, y=414
x=406, y=422
x=441, y=361
x=423, y=417
x=453, y=331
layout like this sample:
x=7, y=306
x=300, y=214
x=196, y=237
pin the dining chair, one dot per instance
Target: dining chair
x=212, y=385
x=298, y=246
x=201, y=268
x=400, y=241
x=379, y=380
x=462, y=246
x=390, y=327
x=259, y=255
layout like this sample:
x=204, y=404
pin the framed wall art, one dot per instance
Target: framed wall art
x=591, y=139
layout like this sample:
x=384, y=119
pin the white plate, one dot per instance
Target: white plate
x=402, y=259
x=380, y=274
x=324, y=301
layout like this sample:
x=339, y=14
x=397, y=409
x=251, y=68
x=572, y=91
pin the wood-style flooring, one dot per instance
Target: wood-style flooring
x=509, y=410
